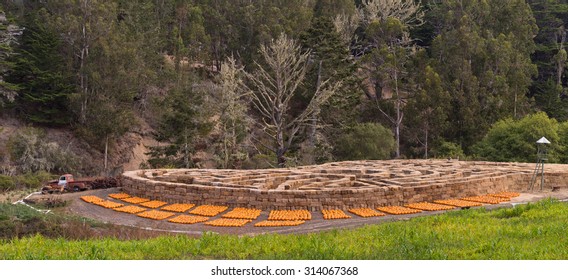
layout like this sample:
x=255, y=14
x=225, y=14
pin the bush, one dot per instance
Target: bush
x=563, y=143
x=33, y=180
x=365, y=141
x=448, y=150
x=25, y=181
x=32, y=153
x=515, y=140
x=6, y=183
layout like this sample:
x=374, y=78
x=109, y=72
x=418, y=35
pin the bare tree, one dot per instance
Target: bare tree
x=275, y=84
x=346, y=25
x=406, y=11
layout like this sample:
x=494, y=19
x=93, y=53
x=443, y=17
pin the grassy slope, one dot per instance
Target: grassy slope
x=534, y=231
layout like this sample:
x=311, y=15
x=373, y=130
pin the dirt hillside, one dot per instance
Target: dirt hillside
x=127, y=153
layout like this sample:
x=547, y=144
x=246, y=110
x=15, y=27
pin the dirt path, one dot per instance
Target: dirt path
x=78, y=207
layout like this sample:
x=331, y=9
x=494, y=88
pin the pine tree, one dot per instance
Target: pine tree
x=41, y=76
x=8, y=37
x=181, y=125
x=329, y=60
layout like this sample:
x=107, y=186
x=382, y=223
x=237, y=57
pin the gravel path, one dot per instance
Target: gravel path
x=79, y=207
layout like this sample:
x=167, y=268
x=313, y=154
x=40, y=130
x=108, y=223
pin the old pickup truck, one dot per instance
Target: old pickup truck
x=67, y=183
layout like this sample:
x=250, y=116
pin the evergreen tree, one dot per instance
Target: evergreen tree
x=427, y=112
x=329, y=60
x=41, y=75
x=550, y=57
x=182, y=124
x=483, y=56
x=8, y=36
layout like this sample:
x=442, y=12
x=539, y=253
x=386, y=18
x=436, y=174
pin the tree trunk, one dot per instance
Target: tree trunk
x=185, y=150
x=84, y=86
x=281, y=149
x=83, y=57
x=426, y=145
x=398, y=114
x=106, y=154
x=313, y=128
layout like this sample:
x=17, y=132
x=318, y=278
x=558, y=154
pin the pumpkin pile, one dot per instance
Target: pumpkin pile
x=224, y=222
x=208, y=210
x=188, y=219
x=427, y=206
x=153, y=204
x=486, y=199
x=334, y=214
x=178, y=207
x=130, y=209
x=243, y=213
x=155, y=214
x=107, y=204
x=366, y=212
x=457, y=203
x=91, y=198
x=506, y=194
x=119, y=195
x=135, y=200
x=279, y=223
x=289, y=215
x=398, y=210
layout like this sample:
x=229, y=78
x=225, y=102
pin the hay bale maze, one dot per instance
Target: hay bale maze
x=336, y=191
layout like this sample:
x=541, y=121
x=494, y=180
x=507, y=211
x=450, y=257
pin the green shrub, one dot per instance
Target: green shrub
x=563, y=142
x=6, y=183
x=448, y=150
x=515, y=140
x=365, y=141
x=33, y=180
x=25, y=181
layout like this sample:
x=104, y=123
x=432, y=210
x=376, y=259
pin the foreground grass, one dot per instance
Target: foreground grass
x=533, y=231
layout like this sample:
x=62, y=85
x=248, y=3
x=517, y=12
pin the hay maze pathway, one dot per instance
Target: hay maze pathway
x=312, y=198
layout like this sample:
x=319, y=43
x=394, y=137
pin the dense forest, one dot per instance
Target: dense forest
x=274, y=83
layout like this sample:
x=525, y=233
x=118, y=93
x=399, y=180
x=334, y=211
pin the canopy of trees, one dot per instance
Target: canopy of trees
x=224, y=83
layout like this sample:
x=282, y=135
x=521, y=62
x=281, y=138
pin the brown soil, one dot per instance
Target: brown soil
x=126, y=153
x=78, y=207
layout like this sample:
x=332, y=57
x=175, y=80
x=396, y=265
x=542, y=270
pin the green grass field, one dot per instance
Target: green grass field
x=533, y=231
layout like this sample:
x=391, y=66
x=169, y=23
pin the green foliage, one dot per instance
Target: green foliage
x=40, y=73
x=8, y=38
x=531, y=231
x=330, y=61
x=550, y=57
x=24, y=181
x=33, y=180
x=182, y=123
x=510, y=140
x=449, y=150
x=98, y=65
x=549, y=97
x=483, y=56
x=6, y=183
x=365, y=141
x=427, y=112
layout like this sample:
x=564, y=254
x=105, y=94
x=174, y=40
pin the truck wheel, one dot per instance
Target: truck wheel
x=76, y=188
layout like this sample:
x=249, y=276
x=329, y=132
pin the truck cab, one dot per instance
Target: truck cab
x=64, y=179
